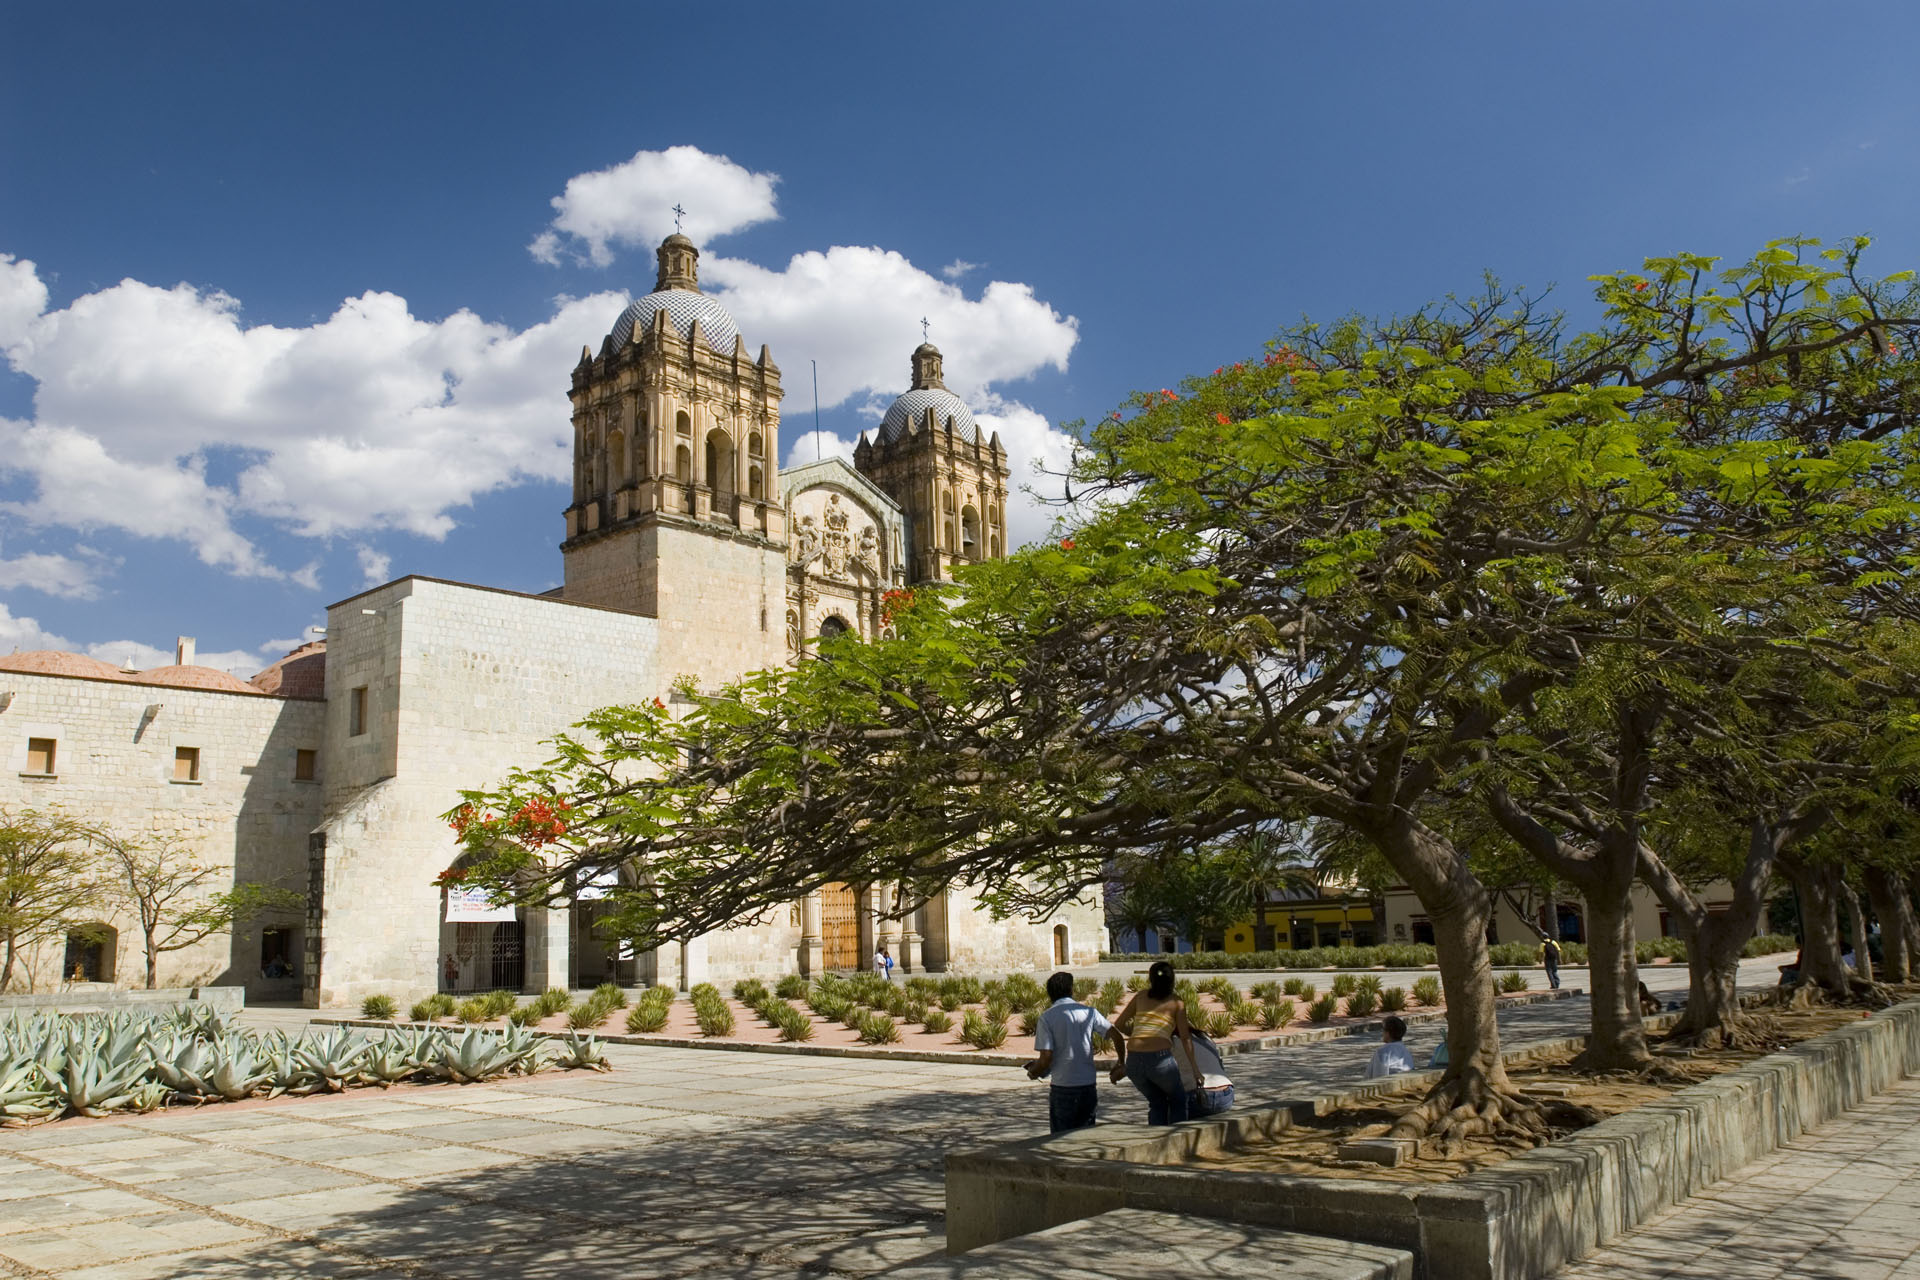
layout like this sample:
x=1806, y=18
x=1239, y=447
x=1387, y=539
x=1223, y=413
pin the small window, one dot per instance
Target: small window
x=186, y=764
x=306, y=763
x=357, y=712
x=682, y=423
x=755, y=447
x=40, y=755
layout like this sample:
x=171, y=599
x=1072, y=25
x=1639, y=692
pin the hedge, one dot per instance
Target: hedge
x=1417, y=954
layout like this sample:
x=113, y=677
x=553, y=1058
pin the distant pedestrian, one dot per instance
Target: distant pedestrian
x=883, y=964
x=1150, y=1023
x=1064, y=1044
x=1391, y=1058
x=1550, y=957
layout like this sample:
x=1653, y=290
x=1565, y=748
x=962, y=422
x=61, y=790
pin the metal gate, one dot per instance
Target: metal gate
x=839, y=927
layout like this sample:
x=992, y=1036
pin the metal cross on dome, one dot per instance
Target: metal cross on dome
x=923, y=328
x=678, y=213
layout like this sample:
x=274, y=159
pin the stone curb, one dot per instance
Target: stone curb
x=1520, y=1220
x=973, y=1058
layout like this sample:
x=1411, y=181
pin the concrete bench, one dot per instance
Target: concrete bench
x=1142, y=1244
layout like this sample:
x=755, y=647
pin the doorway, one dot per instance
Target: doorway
x=839, y=927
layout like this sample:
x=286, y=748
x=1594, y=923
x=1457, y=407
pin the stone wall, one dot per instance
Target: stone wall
x=114, y=765
x=463, y=683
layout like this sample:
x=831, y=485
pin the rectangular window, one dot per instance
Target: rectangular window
x=186, y=764
x=279, y=954
x=357, y=712
x=40, y=755
x=305, y=765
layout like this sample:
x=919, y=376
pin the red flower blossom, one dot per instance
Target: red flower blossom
x=1066, y=544
x=1641, y=287
x=659, y=705
x=1222, y=419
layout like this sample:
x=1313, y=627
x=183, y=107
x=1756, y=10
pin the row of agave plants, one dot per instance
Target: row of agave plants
x=57, y=1065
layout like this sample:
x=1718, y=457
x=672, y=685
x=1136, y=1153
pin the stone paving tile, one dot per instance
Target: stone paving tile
x=91, y=1204
x=255, y=1261
x=68, y=1248
x=231, y=1188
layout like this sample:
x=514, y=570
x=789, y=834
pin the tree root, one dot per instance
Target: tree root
x=1458, y=1109
x=1858, y=991
x=1756, y=1032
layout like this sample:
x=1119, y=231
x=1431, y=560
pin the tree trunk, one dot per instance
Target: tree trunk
x=153, y=964
x=1619, y=1039
x=1857, y=926
x=1819, y=926
x=1895, y=909
x=6, y=968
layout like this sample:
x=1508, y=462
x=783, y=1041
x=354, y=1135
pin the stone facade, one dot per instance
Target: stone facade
x=687, y=559
x=122, y=749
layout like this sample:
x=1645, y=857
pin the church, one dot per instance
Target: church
x=688, y=555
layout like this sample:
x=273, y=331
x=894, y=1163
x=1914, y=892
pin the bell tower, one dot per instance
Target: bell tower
x=676, y=493
x=952, y=486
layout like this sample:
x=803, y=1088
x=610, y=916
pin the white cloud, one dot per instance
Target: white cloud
x=21, y=634
x=22, y=297
x=814, y=446
x=369, y=419
x=375, y=566
x=631, y=204
x=53, y=575
x=957, y=268
x=857, y=311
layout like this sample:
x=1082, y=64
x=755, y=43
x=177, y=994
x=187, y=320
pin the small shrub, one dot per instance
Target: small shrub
x=791, y=987
x=1138, y=982
x=1084, y=987
x=1030, y=1021
x=714, y=1019
x=1393, y=999
x=1222, y=989
x=647, y=1017
x=795, y=1025
x=554, y=1000
x=950, y=1001
x=1245, y=1012
x=1276, y=1014
x=897, y=1003
x=1322, y=1010
x=526, y=1015
x=500, y=1003
x=851, y=1016
x=424, y=1010
x=1513, y=981
x=983, y=1033
x=916, y=1011
x=587, y=1016
x=382, y=1008
x=471, y=1011
x=1426, y=991
x=1188, y=993
x=1267, y=992
x=972, y=990
x=1023, y=989
x=878, y=1028
x=1218, y=1025
x=1368, y=982
x=749, y=991
x=937, y=1020
x=1293, y=986
x=1362, y=1002
x=998, y=1008
x=1343, y=984
x=1306, y=991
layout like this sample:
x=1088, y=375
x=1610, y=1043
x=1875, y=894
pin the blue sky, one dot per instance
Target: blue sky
x=290, y=324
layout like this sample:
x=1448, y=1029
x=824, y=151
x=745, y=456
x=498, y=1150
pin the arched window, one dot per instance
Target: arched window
x=993, y=519
x=993, y=546
x=720, y=461
x=948, y=542
x=755, y=484
x=683, y=423
x=755, y=446
x=970, y=533
x=683, y=465
x=90, y=953
x=833, y=625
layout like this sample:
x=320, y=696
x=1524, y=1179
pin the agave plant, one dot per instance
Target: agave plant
x=100, y=1075
x=478, y=1055
x=285, y=1071
x=25, y=1094
x=387, y=1061
x=183, y=1065
x=238, y=1071
x=581, y=1053
x=333, y=1059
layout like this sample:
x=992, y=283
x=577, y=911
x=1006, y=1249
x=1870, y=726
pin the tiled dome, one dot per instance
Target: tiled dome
x=683, y=307
x=301, y=674
x=913, y=406
x=53, y=662
x=194, y=678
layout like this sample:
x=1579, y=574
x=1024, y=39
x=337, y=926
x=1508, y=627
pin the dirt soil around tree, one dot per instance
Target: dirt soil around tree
x=1311, y=1147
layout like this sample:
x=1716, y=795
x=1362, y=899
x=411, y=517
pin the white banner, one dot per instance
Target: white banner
x=474, y=906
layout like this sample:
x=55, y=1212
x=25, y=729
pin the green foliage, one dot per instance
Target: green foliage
x=1217, y=1025
x=1275, y=1014
x=1368, y=983
x=1295, y=986
x=379, y=1008
x=475, y=1010
x=527, y=1015
x=424, y=1010
x=647, y=1017
x=1513, y=981
x=878, y=1028
x=1343, y=984
x=1426, y=991
x=791, y=987
x=1362, y=1002
x=582, y=1053
x=499, y=1002
x=1245, y=1013
x=1393, y=1000
x=1323, y=1009
x=554, y=1000
x=610, y=994
x=983, y=1033
x=937, y=1020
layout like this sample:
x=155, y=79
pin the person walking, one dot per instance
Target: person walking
x=1550, y=957
x=1063, y=1042
x=883, y=964
x=1150, y=1023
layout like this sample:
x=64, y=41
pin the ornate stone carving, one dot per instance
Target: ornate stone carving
x=836, y=547
x=867, y=552
x=806, y=542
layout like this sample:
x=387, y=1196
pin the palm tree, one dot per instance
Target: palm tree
x=1260, y=866
x=1137, y=908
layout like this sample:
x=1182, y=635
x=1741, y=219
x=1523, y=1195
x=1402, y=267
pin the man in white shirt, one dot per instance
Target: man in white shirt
x=1064, y=1039
x=1391, y=1058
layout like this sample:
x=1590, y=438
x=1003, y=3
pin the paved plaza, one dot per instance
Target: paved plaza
x=679, y=1163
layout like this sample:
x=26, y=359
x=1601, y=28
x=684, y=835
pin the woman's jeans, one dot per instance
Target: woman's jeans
x=1156, y=1075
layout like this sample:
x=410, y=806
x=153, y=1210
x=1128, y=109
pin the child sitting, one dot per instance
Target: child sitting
x=1391, y=1058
